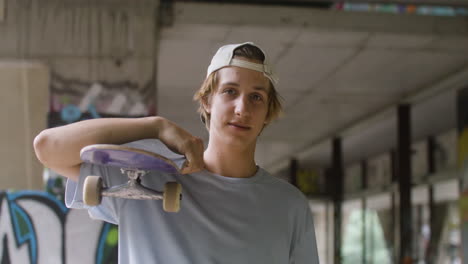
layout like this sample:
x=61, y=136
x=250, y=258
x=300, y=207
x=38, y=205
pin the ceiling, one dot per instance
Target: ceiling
x=342, y=74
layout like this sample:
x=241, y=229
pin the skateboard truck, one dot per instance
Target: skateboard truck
x=94, y=190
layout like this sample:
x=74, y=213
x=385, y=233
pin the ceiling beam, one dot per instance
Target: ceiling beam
x=454, y=3
x=330, y=3
x=189, y=13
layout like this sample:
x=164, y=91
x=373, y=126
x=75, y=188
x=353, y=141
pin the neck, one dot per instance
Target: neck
x=230, y=161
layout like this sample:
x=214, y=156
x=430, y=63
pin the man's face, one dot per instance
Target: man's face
x=239, y=106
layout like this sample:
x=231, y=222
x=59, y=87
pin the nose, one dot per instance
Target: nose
x=242, y=107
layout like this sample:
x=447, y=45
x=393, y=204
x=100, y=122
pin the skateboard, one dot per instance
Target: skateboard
x=135, y=163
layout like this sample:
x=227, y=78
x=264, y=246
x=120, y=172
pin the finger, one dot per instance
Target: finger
x=194, y=158
x=193, y=163
x=189, y=168
x=185, y=168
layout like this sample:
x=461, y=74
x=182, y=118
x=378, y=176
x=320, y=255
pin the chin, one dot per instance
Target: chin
x=238, y=141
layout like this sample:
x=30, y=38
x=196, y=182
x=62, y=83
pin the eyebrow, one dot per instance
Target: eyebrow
x=230, y=83
x=258, y=88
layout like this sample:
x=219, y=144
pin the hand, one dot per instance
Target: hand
x=194, y=156
x=179, y=140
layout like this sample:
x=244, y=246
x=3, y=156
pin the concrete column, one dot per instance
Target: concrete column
x=337, y=176
x=432, y=169
x=23, y=104
x=394, y=212
x=404, y=182
x=364, y=208
x=293, y=167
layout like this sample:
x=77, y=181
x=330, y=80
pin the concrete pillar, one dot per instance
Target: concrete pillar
x=23, y=104
x=364, y=185
x=293, y=167
x=404, y=182
x=432, y=169
x=337, y=189
x=394, y=211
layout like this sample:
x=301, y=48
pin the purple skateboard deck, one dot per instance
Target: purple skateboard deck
x=127, y=158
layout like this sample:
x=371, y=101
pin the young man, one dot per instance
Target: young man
x=232, y=211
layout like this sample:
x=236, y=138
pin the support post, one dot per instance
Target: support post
x=364, y=209
x=431, y=170
x=404, y=182
x=337, y=175
x=293, y=167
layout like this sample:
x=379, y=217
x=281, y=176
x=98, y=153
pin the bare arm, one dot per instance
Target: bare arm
x=59, y=148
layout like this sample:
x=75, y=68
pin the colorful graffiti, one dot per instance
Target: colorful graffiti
x=74, y=100
x=36, y=228
x=428, y=10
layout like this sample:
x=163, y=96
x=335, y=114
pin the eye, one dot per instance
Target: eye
x=257, y=97
x=229, y=91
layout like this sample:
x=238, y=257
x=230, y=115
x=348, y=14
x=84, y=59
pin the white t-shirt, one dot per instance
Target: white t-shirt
x=260, y=219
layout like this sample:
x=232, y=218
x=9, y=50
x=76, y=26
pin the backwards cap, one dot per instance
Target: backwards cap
x=224, y=58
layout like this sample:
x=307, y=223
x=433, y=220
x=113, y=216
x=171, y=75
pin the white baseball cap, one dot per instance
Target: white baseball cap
x=224, y=58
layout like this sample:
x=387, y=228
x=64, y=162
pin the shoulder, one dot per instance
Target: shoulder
x=294, y=203
x=287, y=191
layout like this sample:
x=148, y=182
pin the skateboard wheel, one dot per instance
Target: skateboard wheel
x=92, y=190
x=171, y=197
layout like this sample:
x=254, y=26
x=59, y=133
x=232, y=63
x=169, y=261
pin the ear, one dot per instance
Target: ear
x=206, y=105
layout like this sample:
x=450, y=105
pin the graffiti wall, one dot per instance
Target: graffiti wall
x=73, y=100
x=37, y=228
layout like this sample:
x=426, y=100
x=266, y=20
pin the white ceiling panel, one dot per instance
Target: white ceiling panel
x=205, y=32
x=364, y=72
x=451, y=43
x=400, y=41
x=336, y=39
x=421, y=68
x=303, y=67
x=287, y=97
x=324, y=117
x=355, y=100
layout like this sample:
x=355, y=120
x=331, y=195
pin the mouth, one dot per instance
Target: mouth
x=239, y=126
